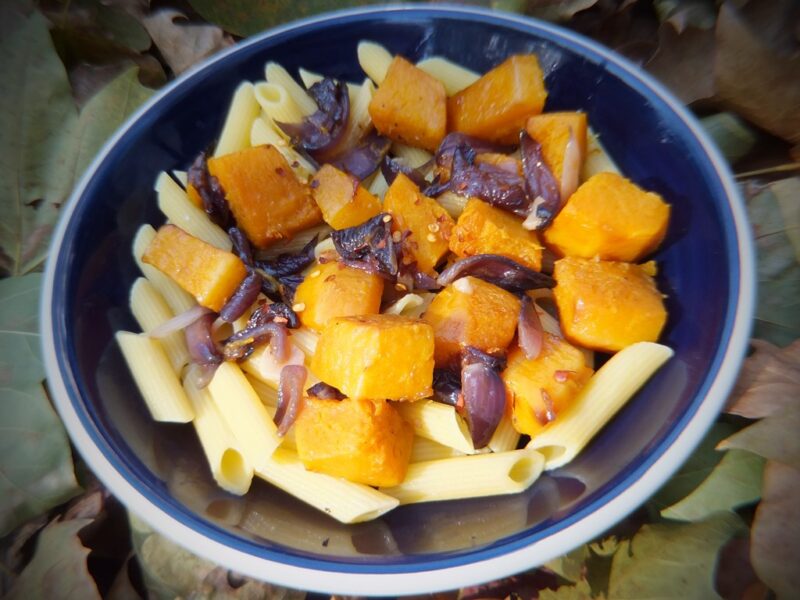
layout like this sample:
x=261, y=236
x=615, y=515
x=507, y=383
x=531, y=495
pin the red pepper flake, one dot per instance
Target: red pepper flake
x=280, y=320
x=330, y=278
x=280, y=171
x=295, y=164
x=460, y=404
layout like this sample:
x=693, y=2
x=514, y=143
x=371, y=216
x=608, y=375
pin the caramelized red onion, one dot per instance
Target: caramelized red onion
x=540, y=184
x=290, y=396
x=369, y=246
x=446, y=386
x=471, y=355
x=178, y=322
x=446, y=151
x=571, y=168
x=391, y=168
x=213, y=196
x=242, y=298
x=495, y=185
x=529, y=329
x=484, y=401
x=499, y=270
x=363, y=159
x=289, y=263
x=241, y=245
x=243, y=343
x=277, y=312
x=200, y=342
x=323, y=391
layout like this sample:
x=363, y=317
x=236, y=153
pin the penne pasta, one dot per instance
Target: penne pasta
x=411, y=305
x=263, y=365
x=424, y=450
x=263, y=132
x=438, y=422
x=178, y=299
x=345, y=501
x=244, y=413
x=505, y=437
x=298, y=242
x=378, y=186
x=150, y=310
x=413, y=157
x=182, y=177
x=175, y=204
x=453, y=203
x=454, y=77
x=277, y=104
x=473, y=476
x=277, y=75
x=597, y=158
x=267, y=392
x=359, y=122
x=229, y=468
x=306, y=339
x=244, y=109
x=604, y=394
x=374, y=60
x=155, y=378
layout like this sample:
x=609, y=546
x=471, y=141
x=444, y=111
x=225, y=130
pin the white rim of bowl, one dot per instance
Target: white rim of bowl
x=515, y=561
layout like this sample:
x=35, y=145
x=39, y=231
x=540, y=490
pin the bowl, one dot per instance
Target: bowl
x=158, y=470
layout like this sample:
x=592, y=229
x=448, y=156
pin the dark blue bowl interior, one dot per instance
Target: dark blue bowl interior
x=94, y=272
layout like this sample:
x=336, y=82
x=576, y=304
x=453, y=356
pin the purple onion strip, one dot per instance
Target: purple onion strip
x=242, y=298
x=540, y=184
x=499, y=270
x=290, y=396
x=529, y=329
x=202, y=348
x=484, y=401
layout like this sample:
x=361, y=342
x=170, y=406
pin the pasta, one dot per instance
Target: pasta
x=438, y=422
x=277, y=104
x=374, y=60
x=454, y=77
x=150, y=310
x=262, y=132
x=279, y=76
x=236, y=131
x=178, y=300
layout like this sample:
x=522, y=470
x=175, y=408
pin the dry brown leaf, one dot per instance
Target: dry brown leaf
x=754, y=80
x=769, y=381
x=775, y=535
x=682, y=62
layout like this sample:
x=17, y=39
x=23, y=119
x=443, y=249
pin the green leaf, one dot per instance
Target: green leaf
x=58, y=568
x=671, y=560
x=247, y=17
x=736, y=481
x=734, y=138
x=775, y=437
x=106, y=28
x=570, y=565
x=20, y=359
x=579, y=591
x=34, y=163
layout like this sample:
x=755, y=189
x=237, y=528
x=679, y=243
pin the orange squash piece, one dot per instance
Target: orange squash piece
x=335, y=290
x=267, y=200
x=543, y=387
x=428, y=223
x=376, y=356
x=410, y=106
x=194, y=195
x=342, y=200
x=484, y=229
x=497, y=106
x=211, y=275
x=611, y=218
x=552, y=131
x=607, y=306
x=471, y=312
x=364, y=441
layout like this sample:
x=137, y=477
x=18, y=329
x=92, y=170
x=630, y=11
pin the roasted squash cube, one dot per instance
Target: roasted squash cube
x=608, y=305
x=428, y=223
x=611, y=218
x=194, y=195
x=267, y=200
x=342, y=200
x=376, y=356
x=497, y=106
x=543, y=387
x=364, y=441
x=410, y=106
x=484, y=229
x=335, y=290
x=471, y=312
x=552, y=131
x=211, y=275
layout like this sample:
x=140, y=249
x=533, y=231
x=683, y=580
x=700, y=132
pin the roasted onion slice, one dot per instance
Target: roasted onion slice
x=484, y=401
x=499, y=270
x=290, y=396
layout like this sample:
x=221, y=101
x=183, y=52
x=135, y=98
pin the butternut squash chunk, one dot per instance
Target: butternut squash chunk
x=428, y=223
x=194, y=195
x=611, y=218
x=376, y=356
x=484, y=229
x=607, y=306
x=209, y=274
x=496, y=107
x=267, y=200
x=410, y=106
x=471, y=312
x=342, y=200
x=552, y=131
x=364, y=441
x=335, y=290
x=543, y=387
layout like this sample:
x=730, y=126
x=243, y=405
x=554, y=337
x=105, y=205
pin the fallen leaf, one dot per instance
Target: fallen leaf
x=122, y=587
x=682, y=62
x=787, y=192
x=20, y=360
x=774, y=438
x=625, y=27
x=33, y=160
x=757, y=82
x=557, y=10
x=775, y=534
x=769, y=381
x=605, y=547
x=672, y=560
x=13, y=555
x=732, y=135
x=58, y=568
x=578, y=591
x=181, y=43
x=736, y=579
x=734, y=482
x=681, y=14
x=570, y=566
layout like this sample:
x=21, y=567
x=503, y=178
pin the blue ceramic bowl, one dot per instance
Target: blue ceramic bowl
x=159, y=471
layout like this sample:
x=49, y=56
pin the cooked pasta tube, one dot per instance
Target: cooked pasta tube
x=268, y=393
x=424, y=450
x=473, y=476
x=277, y=104
x=244, y=413
x=360, y=121
x=597, y=159
x=343, y=500
x=374, y=60
x=600, y=399
x=305, y=339
x=229, y=467
x=175, y=204
x=243, y=111
x=153, y=374
x=182, y=177
x=505, y=437
x=263, y=132
x=298, y=241
x=309, y=78
x=276, y=74
x=411, y=305
x=378, y=186
x=151, y=310
x=413, y=157
x=438, y=422
x=178, y=299
x=453, y=203
x=454, y=77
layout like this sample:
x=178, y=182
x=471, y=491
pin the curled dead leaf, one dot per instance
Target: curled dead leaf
x=682, y=62
x=769, y=381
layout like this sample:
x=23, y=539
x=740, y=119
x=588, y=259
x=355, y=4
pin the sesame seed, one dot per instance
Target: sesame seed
x=400, y=287
x=431, y=237
x=387, y=218
x=434, y=227
x=315, y=273
x=397, y=236
x=299, y=307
